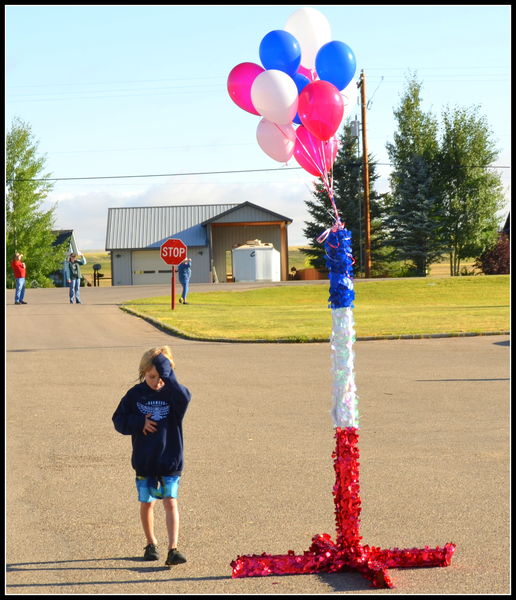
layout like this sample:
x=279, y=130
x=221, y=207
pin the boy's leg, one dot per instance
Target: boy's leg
x=147, y=519
x=77, y=290
x=72, y=293
x=172, y=518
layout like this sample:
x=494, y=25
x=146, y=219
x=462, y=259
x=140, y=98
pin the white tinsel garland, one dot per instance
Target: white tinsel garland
x=345, y=400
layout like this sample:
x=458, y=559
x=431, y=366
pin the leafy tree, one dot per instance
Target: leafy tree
x=470, y=193
x=413, y=210
x=348, y=197
x=28, y=227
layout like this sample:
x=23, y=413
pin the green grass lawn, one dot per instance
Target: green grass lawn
x=300, y=313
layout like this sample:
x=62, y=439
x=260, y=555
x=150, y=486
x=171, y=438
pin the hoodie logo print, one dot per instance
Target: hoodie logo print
x=156, y=408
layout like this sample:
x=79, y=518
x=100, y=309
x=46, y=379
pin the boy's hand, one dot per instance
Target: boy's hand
x=150, y=426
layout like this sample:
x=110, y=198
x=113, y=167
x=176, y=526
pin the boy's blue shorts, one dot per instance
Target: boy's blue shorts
x=157, y=488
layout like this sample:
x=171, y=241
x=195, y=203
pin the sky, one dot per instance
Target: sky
x=141, y=92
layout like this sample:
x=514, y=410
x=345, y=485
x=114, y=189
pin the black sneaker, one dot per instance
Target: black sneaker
x=175, y=557
x=151, y=552
x=23, y=302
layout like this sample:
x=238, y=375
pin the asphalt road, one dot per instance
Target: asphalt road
x=434, y=456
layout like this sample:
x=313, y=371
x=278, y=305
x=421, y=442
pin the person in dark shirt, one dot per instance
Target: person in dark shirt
x=152, y=413
x=72, y=275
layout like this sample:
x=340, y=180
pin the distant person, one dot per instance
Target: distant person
x=72, y=275
x=152, y=413
x=184, y=271
x=19, y=270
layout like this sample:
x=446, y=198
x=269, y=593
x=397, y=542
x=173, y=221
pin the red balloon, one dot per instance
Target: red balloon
x=314, y=155
x=321, y=109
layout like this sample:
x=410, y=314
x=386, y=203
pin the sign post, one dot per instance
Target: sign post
x=173, y=252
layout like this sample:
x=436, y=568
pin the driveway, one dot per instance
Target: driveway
x=434, y=455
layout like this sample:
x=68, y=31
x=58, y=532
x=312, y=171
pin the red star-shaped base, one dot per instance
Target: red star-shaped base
x=346, y=554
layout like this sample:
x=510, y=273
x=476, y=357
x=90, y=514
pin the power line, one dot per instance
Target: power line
x=225, y=172
x=159, y=175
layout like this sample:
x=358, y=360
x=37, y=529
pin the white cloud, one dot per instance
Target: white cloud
x=86, y=211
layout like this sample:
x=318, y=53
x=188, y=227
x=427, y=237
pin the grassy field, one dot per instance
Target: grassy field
x=297, y=259
x=97, y=257
x=441, y=269
x=397, y=307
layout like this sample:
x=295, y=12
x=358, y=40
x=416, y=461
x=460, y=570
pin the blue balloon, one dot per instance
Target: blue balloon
x=280, y=50
x=301, y=81
x=336, y=63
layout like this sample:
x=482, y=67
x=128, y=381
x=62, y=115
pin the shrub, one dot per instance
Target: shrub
x=496, y=259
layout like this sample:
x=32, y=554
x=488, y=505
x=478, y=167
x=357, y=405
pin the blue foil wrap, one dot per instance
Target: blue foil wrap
x=339, y=261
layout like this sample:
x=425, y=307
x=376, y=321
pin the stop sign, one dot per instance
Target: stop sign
x=173, y=251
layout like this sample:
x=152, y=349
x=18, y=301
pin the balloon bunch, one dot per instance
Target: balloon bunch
x=301, y=92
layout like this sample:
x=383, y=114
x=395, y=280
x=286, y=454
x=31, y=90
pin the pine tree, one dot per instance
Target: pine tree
x=348, y=197
x=28, y=227
x=413, y=211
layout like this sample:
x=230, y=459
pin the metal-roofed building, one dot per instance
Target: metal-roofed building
x=65, y=235
x=135, y=234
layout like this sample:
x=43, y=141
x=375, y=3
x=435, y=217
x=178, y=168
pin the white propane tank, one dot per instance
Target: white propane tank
x=256, y=261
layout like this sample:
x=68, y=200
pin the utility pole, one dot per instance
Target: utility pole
x=355, y=132
x=367, y=209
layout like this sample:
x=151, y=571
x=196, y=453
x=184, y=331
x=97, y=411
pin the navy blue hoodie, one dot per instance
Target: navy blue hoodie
x=161, y=452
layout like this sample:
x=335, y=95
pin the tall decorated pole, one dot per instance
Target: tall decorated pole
x=319, y=106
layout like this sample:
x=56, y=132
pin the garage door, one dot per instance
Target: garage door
x=149, y=268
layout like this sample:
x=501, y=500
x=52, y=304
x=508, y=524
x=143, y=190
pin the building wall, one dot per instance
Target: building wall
x=146, y=267
x=121, y=267
x=245, y=214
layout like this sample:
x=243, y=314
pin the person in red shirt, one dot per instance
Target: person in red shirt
x=19, y=271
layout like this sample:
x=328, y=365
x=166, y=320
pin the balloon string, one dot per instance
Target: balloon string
x=330, y=172
x=281, y=130
x=327, y=182
x=322, y=174
x=331, y=185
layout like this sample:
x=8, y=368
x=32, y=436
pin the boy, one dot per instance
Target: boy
x=152, y=413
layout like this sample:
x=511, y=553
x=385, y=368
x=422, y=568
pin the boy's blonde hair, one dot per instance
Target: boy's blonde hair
x=146, y=360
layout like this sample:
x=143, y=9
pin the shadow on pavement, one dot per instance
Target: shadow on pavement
x=64, y=565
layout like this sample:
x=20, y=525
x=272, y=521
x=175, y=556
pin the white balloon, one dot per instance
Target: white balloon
x=275, y=140
x=274, y=95
x=312, y=30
